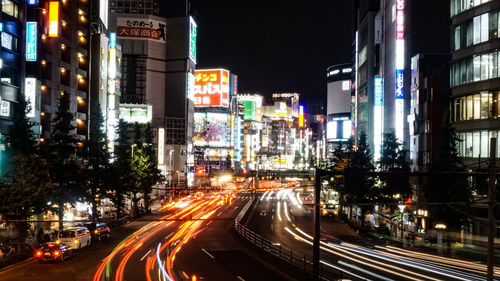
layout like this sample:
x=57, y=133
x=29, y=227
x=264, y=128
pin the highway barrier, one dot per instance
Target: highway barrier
x=273, y=248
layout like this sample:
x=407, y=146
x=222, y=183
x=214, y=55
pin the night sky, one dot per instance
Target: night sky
x=273, y=45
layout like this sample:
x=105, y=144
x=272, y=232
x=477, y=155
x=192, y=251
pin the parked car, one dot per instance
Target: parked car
x=52, y=251
x=98, y=230
x=77, y=237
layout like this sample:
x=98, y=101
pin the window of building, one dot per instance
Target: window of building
x=477, y=106
x=362, y=56
x=9, y=41
x=10, y=8
x=457, y=37
x=485, y=23
x=477, y=30
x=477, y=68
x=493, y=29
x=476, y=142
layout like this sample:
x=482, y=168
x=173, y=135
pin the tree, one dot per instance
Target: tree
x=443, y=186
x=119, y=179
x=393, y=155
x=96, y=158
x=23, y=183
x=63, y=167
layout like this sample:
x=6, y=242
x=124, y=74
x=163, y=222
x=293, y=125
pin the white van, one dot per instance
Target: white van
x=76, y=237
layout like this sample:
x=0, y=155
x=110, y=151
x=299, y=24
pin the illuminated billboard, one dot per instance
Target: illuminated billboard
x=5, y=108
x=256, y=106
x=249, y=110
x=193, y=34
x=211, y=88
x=339, y=129
x=400, y=64
x=301, y=116
x=140, y=113
x=103, y=12
x=233, y=85
x=377, y=117
x=30, y=96
x=141, y=29
x=53, y=18
x=31, y=34
x=161, y=146
x=211, y=129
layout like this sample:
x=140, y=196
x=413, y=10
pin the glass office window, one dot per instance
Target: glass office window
x=477, y=107
x=484, y=105
x=494, y=65
x=476, y=61
x=470, y=70
x=477, y=30
x=463, y=108
x=484, y=67
x=470, y=33
x=485, y=27
x=485, y=144
x=493, y=25
x=9, y=41
x=468, y=145
x=476, y=144
x=470, y=111
x=457, y=37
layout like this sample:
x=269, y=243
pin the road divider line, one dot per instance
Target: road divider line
x=206, y=252
x=239, y=277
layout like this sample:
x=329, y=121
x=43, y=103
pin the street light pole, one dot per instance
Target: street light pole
x=491, y=209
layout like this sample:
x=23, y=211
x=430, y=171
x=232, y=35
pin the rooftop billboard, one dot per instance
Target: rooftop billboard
x=211, y=88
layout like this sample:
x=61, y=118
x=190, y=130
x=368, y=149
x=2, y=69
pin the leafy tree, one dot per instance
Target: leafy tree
x=444, y=187
x=23, y=183
x=62, y=163
x=154, y=174
x=96, y=158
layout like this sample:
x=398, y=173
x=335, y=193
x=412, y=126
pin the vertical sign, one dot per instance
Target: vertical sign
x=161, y=146
x=32, y=2
x=193, y=33
x=377, y=118
x=301, y=116
x=31, y=33
x=400, y=64
x=112, y=40
x=30, y=95
x=53, y=18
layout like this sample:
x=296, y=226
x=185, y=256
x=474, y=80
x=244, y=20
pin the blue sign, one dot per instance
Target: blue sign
x=32, y=2
x=378, y=91
x=399, y=84
x=112, y=40
x=31, y=34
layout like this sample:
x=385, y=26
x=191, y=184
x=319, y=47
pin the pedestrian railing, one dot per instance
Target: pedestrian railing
x=276, y=249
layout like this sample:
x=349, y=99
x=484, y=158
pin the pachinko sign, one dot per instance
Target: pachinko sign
x=211, y=88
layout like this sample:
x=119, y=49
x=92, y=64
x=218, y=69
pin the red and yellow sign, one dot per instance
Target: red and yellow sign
x=211, y=88
x=53, y=18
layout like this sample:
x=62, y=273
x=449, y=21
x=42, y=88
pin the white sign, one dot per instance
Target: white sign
x=141, y=29
x=161, y=146
x=30, y=96
x=5, y=109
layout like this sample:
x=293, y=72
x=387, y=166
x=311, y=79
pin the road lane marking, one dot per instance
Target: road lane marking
x=209, y=223
x=239, y=277
x=207, y=253
x=146, y=255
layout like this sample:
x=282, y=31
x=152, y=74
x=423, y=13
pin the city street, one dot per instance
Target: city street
x=280, y=217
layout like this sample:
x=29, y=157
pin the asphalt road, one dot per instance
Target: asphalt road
x=80, y=267
x=281, y=218
x=192, y=236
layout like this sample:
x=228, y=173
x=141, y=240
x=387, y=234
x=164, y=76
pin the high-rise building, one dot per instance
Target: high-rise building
x=389, y=33
x=339, y=104
x=475, y=78
x=61, y=64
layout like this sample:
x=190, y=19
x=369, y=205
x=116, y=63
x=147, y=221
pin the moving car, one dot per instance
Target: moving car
x=52, y=251
x=98, y=230
x=77, y=237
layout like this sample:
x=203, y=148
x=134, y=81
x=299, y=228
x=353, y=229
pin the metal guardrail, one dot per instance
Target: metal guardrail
x=273, y=248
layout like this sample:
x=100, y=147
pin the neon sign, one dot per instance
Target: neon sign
x=31, y=28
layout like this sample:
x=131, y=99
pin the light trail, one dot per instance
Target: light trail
x=278, y=210
x=269, y=196
x=264, y=195
x=286, y=211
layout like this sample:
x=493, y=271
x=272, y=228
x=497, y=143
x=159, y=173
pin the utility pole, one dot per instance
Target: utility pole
x=491, y=208
x=317, y=193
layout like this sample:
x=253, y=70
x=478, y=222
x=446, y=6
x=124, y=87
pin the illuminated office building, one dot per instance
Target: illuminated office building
x=474, y=77
x=62, y=62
